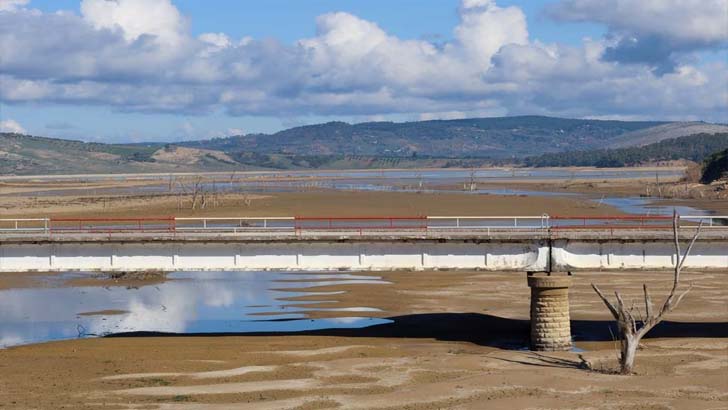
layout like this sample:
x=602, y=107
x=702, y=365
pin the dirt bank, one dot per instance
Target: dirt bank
x=452, y=346
x=323, y=203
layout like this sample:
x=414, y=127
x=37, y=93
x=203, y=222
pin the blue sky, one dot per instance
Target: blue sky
x=110, y=104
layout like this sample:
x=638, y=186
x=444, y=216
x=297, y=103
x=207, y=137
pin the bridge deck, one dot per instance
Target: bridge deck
x=308, y=229
x=491, y=243
x=343, y=235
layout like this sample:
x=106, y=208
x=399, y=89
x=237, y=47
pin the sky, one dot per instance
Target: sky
x=169, y=70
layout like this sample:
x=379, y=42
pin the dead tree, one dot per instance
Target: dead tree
x=473, y=185
x=197, y=191
x=633, y=324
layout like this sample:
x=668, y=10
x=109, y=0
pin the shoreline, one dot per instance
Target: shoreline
x=319, y=171
x=453, y=328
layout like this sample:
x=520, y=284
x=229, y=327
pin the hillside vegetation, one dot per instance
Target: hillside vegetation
x=504, y=137
x=694, y=148
x=716, y=167
x=665, y=132
x=437, y=144
x=30, y=155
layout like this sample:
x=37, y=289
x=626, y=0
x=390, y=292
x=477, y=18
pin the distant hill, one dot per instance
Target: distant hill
x=338, y=145
x=716, y=167
x=30, y=155
x=664, y=132
x=693, y=147
x=502, y=137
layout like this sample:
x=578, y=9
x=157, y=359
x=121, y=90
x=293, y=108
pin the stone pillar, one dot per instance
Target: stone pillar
x=550, y=322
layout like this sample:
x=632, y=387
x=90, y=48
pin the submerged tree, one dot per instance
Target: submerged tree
x=632, y=323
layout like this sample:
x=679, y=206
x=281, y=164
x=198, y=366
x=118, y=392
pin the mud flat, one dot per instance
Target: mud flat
x=322, y=203
x=454, y=344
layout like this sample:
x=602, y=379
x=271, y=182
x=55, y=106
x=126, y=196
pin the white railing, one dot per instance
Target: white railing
x=709, y=221
x=489, y=222
x=235, y=224
x=287, y=226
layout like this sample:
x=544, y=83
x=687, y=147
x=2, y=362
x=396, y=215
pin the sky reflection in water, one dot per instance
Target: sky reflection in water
x=193, y=302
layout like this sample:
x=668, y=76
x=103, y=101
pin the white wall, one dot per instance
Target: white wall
x=574, y=255
x=567, y=255
x=281, y=255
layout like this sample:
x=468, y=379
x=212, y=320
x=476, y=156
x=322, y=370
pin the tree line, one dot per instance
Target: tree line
x=693, y=147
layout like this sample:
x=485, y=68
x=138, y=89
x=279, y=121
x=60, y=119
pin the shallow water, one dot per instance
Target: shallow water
x=651, y=206
x=363, y=180
x=190, y=302
x=542, y=173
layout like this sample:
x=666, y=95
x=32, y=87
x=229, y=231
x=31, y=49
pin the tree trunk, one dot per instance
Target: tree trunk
x=630, y=343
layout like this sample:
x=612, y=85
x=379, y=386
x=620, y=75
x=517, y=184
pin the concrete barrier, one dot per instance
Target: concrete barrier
x=515, y=250
x=509, y=253
x=615, y=254
x=283, y=255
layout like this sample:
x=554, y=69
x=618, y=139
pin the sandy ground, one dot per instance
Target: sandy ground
x=324, y=203
x=453, y=345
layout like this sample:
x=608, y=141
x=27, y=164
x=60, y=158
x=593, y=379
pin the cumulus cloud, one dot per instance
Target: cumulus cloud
x=651, y=31
x=138, y=55
x=10, y=125
x=159, y=19
x=10, y=5
x=485, y=28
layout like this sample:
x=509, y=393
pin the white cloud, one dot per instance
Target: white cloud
x=11, y=5
x=685, y=21
x=10, y=125
x=136, y=55
x=654, y=32
x=218, y=41
x=135, y=18
x=485, y=28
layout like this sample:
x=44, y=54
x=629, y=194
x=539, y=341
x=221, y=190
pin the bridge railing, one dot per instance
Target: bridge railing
x=24, y=225
x=489, y=222
x=235, y=224
x=421, y=226
x=711, y=221
x=110, y=225
x=630, y=222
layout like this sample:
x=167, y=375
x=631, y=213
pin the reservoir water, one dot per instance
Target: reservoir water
x=209, y=302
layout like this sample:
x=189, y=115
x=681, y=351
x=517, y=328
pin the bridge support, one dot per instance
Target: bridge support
x=550, y=322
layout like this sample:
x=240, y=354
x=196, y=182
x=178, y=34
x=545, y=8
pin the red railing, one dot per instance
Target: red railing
x=300, y=224
x=109, y=225
x=611, y=222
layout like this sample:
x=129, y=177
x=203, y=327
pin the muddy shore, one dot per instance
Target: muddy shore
x=322, y=203
x=454, y=344
x=456, y=341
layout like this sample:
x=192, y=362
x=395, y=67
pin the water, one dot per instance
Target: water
x=351, y=180
x=501, y=173
x=199, y=302
x=651, y=206
x=414, y=181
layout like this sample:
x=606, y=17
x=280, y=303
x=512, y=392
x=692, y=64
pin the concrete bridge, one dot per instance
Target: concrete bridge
x=520, y=243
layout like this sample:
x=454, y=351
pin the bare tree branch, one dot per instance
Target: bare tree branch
x=692, y=242
x=648, y=303
x=676, y=239
x=629, y=332
x=606, y=301
x=679, y=299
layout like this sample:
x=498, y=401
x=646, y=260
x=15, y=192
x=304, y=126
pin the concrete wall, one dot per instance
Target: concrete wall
x=273, y=255
x=575, y=255
x=383, y=255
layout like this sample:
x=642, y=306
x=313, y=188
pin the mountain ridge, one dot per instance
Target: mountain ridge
x=494, y=137
x=435, y=143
